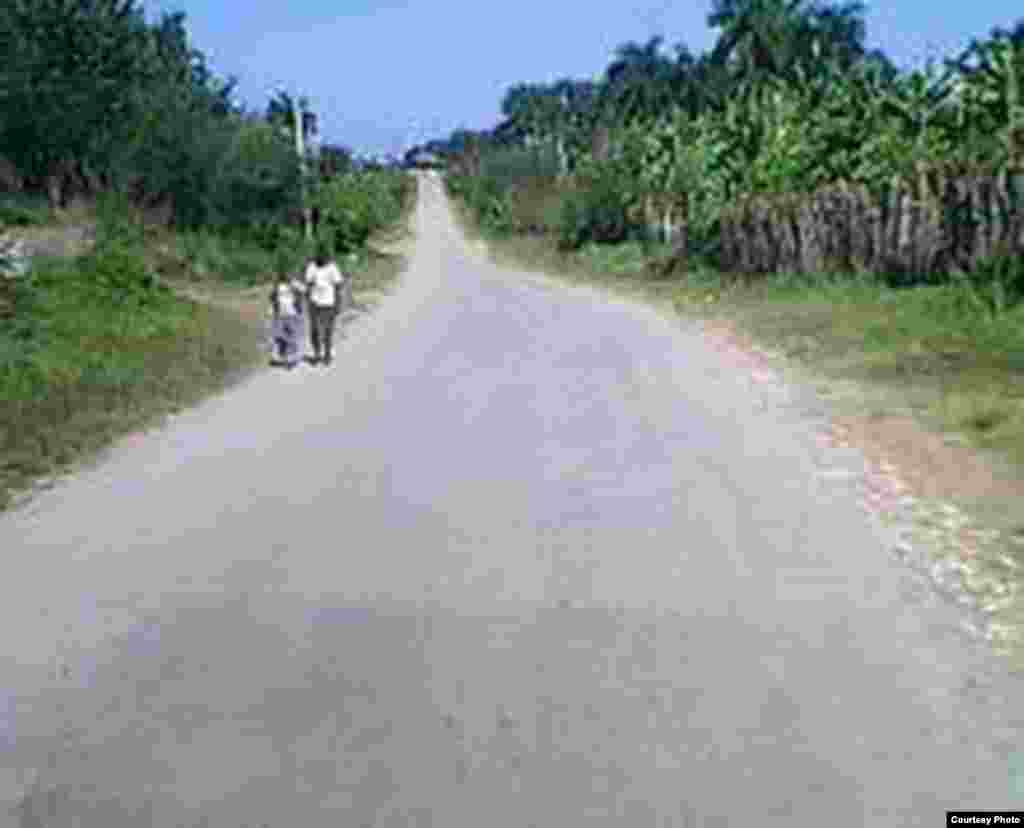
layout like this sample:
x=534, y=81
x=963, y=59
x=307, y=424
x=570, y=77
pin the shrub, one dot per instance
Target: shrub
x=515, y=191
x=999, y=282
x=596, y=213
x=17, y=210
x=485, y=199
x=355, y=205
x=536, y=207
x=235, y=257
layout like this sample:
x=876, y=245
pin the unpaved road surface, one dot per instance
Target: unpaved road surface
x=524, y=556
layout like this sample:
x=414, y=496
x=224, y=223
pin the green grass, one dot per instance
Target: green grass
x=376, y=275
x=926, y=344
x=205, y=255
x=23, y=210
x=82, y=363
x=74, y=410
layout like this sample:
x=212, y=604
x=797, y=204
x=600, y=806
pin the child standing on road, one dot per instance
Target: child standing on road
x=287, y=315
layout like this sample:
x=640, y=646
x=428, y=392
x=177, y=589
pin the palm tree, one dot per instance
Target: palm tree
x=770, y=38
x=833, y=32
x=709, y=86
x=281, y=111
x=758, y=37
x=681, y=78
x=639, y=81
x=549, y=114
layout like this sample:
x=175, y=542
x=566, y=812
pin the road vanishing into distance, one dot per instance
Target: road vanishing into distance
x=525, y=555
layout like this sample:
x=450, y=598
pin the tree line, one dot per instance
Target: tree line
x=789, y=100
x=94, y=99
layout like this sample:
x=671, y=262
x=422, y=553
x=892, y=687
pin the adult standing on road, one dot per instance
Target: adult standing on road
x=326, y=288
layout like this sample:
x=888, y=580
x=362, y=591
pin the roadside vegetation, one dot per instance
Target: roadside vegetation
x=864, y=219
x=137, y=238
x=795, y=181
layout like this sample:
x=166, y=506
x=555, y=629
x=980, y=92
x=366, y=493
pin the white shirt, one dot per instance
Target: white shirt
x=286, y=300
x=323, y=282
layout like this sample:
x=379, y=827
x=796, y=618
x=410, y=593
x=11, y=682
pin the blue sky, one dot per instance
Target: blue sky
x=379, y=72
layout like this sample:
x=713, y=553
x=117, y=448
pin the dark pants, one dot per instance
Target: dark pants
x=322, y=329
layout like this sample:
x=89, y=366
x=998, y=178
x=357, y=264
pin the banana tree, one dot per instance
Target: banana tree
x=839, y=112
x=992, y=88
x=578, y=119
x=657, y=148
x=686, y=172
x=665, y=172
x=741, y=128
x=911, y=132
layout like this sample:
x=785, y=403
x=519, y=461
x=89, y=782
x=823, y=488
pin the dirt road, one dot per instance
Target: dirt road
x=524, y=556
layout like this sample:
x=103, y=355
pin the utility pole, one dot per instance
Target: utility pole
x=300, y=148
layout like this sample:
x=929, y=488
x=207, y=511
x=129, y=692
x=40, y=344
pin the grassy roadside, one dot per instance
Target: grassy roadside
x=925, y=380
x=107, y=343
x=81, y=368
x=379, y=268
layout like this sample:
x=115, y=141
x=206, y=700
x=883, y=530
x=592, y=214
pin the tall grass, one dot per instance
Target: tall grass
x=95, y=346
x=206, y=255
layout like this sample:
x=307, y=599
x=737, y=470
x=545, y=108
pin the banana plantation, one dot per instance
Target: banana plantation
x=788, y=147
